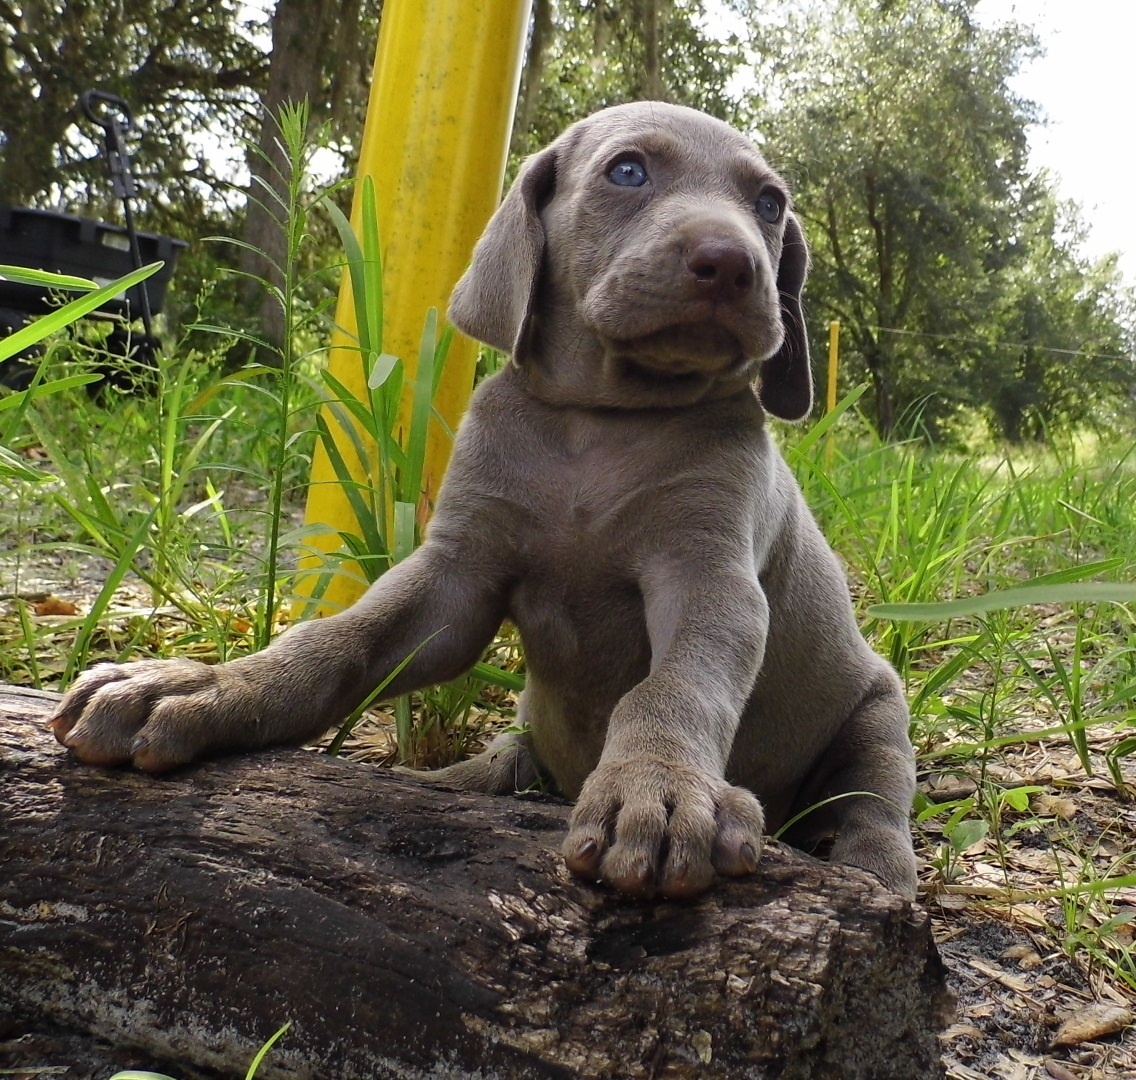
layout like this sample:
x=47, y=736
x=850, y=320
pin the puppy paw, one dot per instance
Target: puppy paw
x=648, y=827
x=155, y=714
x=883, y=851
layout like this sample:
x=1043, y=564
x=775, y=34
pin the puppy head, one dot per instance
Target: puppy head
x=654, y=243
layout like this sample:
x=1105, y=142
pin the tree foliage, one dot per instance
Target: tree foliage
x=186, y=67
x=606, y=52
x=931, y=242
x=1065, y=355
x=956, y=275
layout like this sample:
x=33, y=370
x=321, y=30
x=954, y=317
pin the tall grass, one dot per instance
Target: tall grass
x=999, y=583
x=149, y=483
x=955, y=559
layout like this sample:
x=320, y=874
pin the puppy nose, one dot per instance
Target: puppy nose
x=721, y=269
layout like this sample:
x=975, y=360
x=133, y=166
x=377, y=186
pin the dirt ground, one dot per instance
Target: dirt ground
x=1039, y=979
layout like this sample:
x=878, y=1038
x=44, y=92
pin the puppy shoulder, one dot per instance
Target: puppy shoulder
x=497, y=448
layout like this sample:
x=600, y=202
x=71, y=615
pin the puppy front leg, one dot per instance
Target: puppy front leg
x=657, y=814
x=161, y=713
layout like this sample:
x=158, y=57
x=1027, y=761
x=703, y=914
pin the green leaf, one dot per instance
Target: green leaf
x=12, y=466
x=1005, y=599
x=56, y=386
x=822, y=426
x=373, y=263
x=967, y=833
x=44, y=327
x=25, y=275
x=263, y=1051
x=405, y=527
x=381, y=370
x=495, y=676
x=1018, y=798
x=410, y=478
x=348, y=725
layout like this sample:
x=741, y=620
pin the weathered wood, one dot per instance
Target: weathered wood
x=410, y=932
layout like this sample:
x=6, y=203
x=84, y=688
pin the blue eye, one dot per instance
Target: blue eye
x=768, y=208
x=627, y=174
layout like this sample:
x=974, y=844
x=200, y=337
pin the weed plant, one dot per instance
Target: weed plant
x=999, y=584
x=194, y=491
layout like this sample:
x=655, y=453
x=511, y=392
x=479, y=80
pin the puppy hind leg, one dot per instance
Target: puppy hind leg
x=872, y=754
x=505, y=766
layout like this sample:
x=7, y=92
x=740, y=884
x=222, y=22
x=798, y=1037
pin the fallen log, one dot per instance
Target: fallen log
x=174, y=924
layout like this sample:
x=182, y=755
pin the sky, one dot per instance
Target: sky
x=1086, y=87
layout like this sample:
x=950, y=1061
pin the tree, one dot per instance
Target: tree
x=583, y=57
x=185, y=67
x=906, y=148
x=1065, y=356
x=952, y=271
x=202, y=82
x=321, y=53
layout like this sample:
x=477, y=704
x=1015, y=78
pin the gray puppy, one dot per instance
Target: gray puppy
x=689, y=636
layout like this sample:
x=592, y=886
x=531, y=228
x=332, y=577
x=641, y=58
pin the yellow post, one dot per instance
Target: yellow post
x=830, y=402
x=435, y=142
x=833, y=361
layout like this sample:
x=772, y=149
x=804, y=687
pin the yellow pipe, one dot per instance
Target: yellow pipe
x=833, y=361
x=435, y=143
x=830, y=402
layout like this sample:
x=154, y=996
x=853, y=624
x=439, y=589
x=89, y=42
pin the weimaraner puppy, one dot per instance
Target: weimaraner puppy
x=695, y=675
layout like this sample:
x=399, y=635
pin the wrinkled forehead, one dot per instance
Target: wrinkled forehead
x=673, y=133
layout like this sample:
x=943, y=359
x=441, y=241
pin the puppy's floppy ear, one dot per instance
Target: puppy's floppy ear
x=494, y=299
x=786, y=382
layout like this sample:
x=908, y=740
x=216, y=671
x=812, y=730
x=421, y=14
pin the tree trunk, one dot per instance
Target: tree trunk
x=532, y=82
x=300, y=35
x=174, y=924
x=652, y=60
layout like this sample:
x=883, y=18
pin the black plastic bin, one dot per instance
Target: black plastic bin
x=67, y=244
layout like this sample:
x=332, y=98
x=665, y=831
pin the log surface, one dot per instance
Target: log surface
x=174, y=924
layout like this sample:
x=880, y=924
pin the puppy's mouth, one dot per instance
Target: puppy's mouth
x=703, y=348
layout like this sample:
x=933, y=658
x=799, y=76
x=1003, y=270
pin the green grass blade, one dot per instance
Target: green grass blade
x=263, y=1051
x=410, y=478
x=348, y=725
x=1006, y=599
x=78, y=657
x=364, y=513
x=358, y=272
x=25, y=275
x=489, y=673
x=22, y=398
x=69, y=313
x=12, y=467
x=825, y=423
x=372, y=264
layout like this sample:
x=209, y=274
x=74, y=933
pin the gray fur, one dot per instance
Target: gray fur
x=689, y=635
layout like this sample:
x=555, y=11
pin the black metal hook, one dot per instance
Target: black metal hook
x=89, y=99
x=113, y=115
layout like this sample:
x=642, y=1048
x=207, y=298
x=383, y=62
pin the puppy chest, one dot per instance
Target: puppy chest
x=581, y=625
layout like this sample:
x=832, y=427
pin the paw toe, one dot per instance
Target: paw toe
x=583, y=851
x=740, y=828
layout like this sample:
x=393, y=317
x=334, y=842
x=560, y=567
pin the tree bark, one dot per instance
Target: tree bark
x=532, y=81
x=652, y=60
x=174, y=924
x=300, y=36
